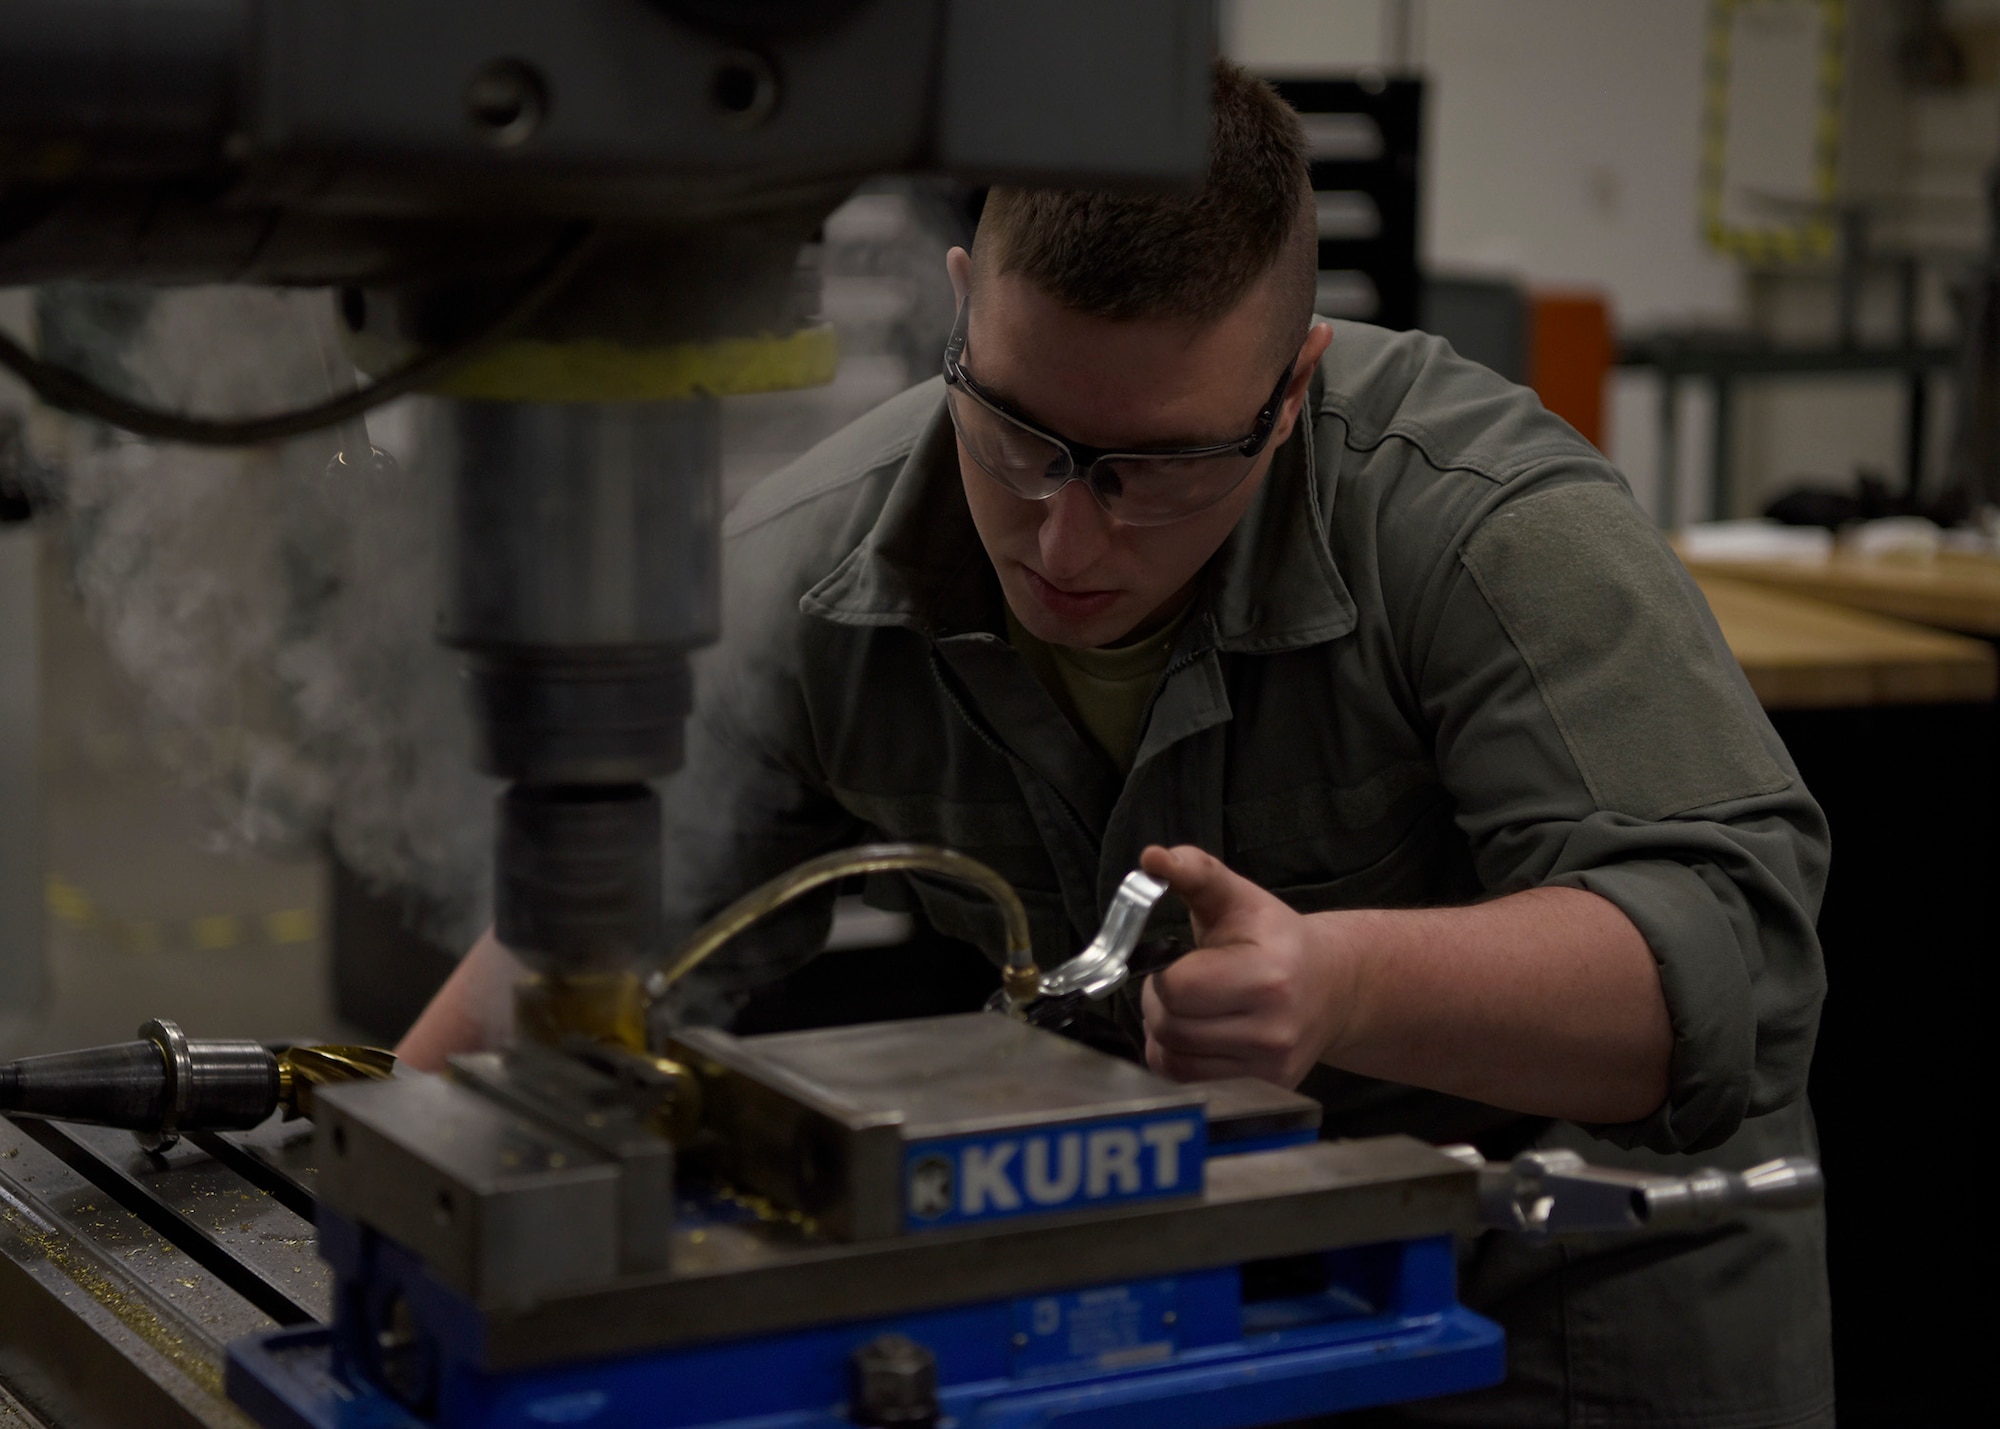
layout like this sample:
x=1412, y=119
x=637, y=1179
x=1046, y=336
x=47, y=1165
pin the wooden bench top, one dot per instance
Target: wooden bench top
x=1954, y=590
x=1802, y=653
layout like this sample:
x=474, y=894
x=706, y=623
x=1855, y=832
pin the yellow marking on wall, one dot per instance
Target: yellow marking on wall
x=1814, y=235
x=292, y=925
x=284, y=928
x=67, y=902
x=220, y=930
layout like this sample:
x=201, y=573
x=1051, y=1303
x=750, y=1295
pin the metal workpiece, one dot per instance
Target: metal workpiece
x=622, y=1118
x=751, y=1277
x=839, y=1125
x=939, y=1076
x=518, y=1174
x=499, y=1206
x=1101, y=968
x=105, y=1322
x=1549, y=1193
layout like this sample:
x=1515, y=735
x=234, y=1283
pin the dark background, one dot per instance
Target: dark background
x=1898, y=1084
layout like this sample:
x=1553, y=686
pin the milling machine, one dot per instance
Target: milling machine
x=582, y=223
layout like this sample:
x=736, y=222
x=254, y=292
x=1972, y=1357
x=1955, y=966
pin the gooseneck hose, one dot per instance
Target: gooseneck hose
x=1022, y=977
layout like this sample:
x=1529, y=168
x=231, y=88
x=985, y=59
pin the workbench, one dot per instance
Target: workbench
x=1953, y=590
x=1801, y=653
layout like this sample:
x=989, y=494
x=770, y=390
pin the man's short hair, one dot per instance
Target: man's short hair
x=1189, y=257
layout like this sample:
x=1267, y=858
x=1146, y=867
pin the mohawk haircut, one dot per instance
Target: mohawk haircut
x=1187, y=257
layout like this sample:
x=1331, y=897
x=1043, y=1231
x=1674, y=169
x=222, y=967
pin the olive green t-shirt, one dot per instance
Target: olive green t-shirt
x=1103, y=691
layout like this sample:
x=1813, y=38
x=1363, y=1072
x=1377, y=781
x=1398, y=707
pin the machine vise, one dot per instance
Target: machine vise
x=959, y=1218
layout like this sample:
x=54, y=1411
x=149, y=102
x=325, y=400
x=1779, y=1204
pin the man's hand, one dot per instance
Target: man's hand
x=1264, y=995
x=1546, y=1001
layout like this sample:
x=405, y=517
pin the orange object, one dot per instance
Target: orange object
x=1569, y=356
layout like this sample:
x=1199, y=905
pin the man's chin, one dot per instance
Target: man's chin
x=1081, y=630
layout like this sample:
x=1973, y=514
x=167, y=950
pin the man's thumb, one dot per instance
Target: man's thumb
x=1202, y=880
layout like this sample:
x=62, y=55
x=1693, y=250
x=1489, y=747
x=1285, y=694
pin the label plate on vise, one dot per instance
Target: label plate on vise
x=1082, y=1165
x=1108, y=1328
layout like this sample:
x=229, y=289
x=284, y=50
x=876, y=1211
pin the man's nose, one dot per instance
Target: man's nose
x=1074, y=532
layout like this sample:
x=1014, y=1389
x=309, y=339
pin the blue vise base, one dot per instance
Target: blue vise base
x=1210, y=1349
x=1043, y=1234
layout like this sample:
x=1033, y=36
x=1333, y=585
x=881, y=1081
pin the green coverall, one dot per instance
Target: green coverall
x=1443, y=657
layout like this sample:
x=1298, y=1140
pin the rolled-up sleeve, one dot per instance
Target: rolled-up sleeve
x=1596, y=733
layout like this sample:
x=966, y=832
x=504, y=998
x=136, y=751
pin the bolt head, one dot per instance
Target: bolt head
x=895, y=1384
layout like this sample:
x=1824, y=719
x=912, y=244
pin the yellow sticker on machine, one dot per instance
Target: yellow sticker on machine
x=599, y=371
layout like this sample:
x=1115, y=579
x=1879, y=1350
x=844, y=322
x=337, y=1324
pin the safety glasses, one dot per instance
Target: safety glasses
x=1139, y=488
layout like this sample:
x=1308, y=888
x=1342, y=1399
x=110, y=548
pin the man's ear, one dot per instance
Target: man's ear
x=1318, y=336
x=958, y=265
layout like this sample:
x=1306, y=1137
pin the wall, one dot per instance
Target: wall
x=1564, y=147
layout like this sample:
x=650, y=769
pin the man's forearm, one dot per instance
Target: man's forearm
x=1546, y=1001
x=472, y=1011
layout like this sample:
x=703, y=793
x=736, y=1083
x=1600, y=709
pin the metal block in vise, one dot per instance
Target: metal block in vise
x=509, y=1181
x=903, y=1127
x=594, y=1106
x=498, y=1206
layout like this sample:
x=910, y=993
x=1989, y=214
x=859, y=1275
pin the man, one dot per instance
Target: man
x=1479, y=831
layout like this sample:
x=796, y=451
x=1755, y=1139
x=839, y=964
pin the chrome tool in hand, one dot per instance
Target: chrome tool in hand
x=1101, y=969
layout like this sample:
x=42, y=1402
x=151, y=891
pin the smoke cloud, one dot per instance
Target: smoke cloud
x=277, y=611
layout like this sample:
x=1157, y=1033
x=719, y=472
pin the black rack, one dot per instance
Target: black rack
x=1373, y=158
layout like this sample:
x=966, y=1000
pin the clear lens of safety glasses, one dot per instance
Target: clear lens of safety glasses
x=1137, y=489
x=1025, y=462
